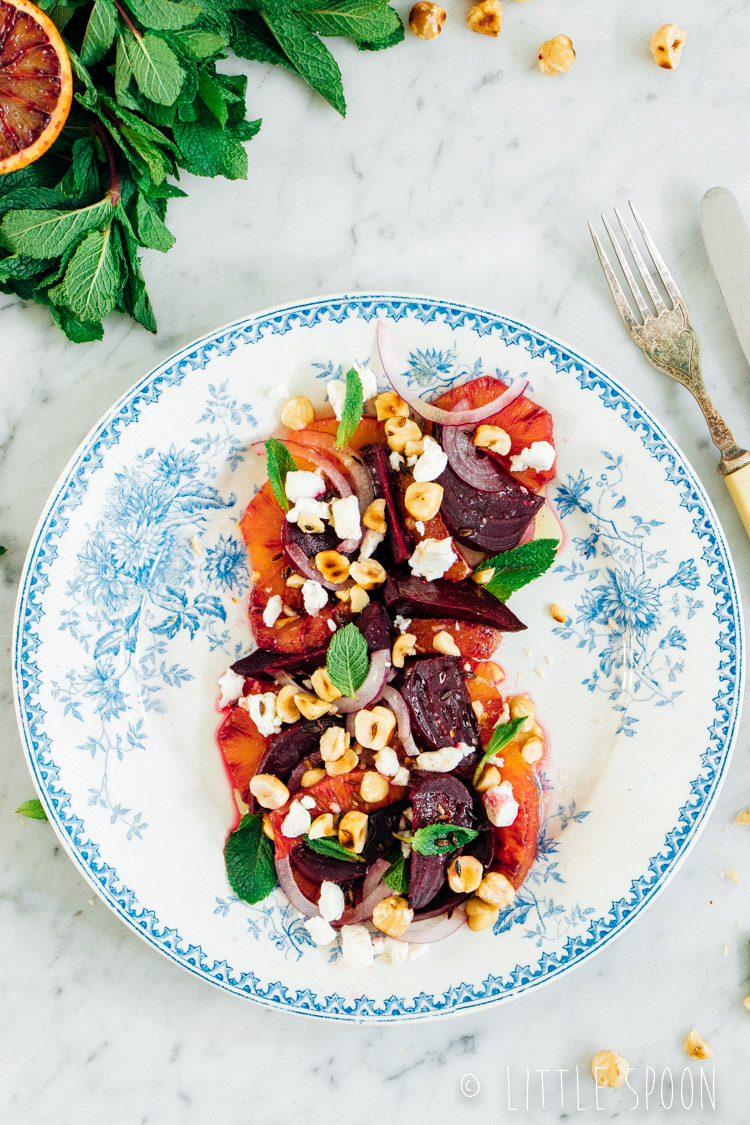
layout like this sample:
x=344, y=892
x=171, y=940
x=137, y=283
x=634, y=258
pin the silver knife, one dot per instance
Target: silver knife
x=727, y=240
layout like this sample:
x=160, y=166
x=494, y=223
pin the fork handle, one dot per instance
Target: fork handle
x=738, y=484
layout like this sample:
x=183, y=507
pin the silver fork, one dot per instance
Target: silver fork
x=669, y=342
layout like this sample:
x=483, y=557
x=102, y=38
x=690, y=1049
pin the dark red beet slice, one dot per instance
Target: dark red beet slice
x=381, y=474
x=375, y=626
x=463, y=601
x=439, y=703
x=380, y=828
x=488, y=521
x=483, y=849
x=324, y=868
x=287, y=748
x=264, y=663
x=439, y=797
x=328, y=540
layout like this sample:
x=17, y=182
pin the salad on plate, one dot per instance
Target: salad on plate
x=385, y=780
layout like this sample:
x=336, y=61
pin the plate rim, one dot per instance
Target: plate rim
x=364, y=1009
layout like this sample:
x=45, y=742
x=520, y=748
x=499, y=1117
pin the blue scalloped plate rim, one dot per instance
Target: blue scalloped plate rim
x=461, y=997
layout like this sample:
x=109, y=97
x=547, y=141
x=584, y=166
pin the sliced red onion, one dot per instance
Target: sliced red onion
x=291, y=890
x=361, y=481
x=372, y=687
x=350, y=723
x=308, y=763
x=374, y=876
x=470, y=464
x=471, y=557
x=429, y=930
x=397, y=704
x=305, y=566
x=349, y=546
x=374, y=891
x=434, y=413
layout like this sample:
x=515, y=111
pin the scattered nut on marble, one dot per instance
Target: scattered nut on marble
x=666, y=45
x=556, y=56
x=486, y=17
x=426, y=19
x=609, y=1069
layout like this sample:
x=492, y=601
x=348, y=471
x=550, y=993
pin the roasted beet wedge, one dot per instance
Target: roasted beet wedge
x=328, y=540
x=439, y=703
x=465, y=601
x=264, y=663
x=375, y=626
x=287, y=748
x=323, y=868
x=400, y=540
x=435, y=798
x=488, y=521
x=483, y=849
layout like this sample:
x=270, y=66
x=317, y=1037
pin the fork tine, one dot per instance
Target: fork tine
x=642, y=267
x=634, y=288
x=661, y=265
x=617, y=291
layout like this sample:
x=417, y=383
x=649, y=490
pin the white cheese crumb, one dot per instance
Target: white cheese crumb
x=314, y=596
x=279, y=391
x=396, y=460
x=540, y=455
x=420, y=526
x=371, y=540
x=500, y=805
x=262, y=710
x=417, y=950
x=272, y=611
x=300, y=484
x=231, y=684
x=386, y=762
x=356, y=945
x=401, y=623
x=309, y=506
x=440, y=761
x=332, y=625
x=307, y=802
x=331, y=901
x=431, y=558
x=368, y=379
x=388, y=949
x=432, y=462
x=345, y=518
x=401, y=776
x=337, y=388
x=320, y=931
x=297, y=821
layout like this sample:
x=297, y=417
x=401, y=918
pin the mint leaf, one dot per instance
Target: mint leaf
x=351, y=412
x=347, y=660
x=78, y=331
x=209, y=150
x=16, y=267
x=155, y=67
x=310, y=58
x=151, y=230
x=100, y=32
x=358, y=19
x=397, y=876
x=91, y=282
x=501, y=736
x=200, y=44
x=134, y=298
x=164, y=15
x=33, y=809
x=248, y=855
x=279, y=462
x=519, y=566
x=440, y=839
x=46, y=234
x=251, y=39
x=397, y=36
x=329, y=845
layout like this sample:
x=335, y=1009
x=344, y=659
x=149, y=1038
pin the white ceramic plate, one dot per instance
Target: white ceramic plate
x=133, y=603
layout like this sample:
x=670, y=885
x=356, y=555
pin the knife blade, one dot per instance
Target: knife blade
x=727, y=240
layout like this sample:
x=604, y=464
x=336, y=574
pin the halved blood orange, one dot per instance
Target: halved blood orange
x=36, y=84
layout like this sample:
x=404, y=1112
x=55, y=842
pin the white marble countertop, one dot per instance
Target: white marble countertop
x=459, y=171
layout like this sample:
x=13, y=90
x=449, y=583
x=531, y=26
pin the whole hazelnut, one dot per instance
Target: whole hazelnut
x=555, y=56
x=486, y=17
x=426, y=19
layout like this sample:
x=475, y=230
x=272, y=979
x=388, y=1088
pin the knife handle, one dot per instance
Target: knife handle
x=738, y=484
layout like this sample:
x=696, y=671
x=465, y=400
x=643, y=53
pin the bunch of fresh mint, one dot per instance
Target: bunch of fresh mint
x=149, y=101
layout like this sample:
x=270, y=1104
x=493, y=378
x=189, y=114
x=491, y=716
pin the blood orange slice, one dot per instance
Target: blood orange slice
x=36, y=84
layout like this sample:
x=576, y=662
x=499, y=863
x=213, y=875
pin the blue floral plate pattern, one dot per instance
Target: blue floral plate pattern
x=133, y=602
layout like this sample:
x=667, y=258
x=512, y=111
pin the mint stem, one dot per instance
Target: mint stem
x=128, y=20
x=114, y=177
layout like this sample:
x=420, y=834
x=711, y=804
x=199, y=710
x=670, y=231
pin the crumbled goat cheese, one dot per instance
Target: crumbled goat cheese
x=314, y=596
x=431, y=558
x=540, y=455
x=262, y=710
x=308, y=506
x=337, y=389
x=331, y=902
x=386, y=761
x=420, y=526
x=388, y=949
x=272, y=611
x=371, y=540
x=279, y=391
x=500, y=805
x=401, y=623
x=297, y=821
x=231, y=685
x=440, y=761
x=300, y=484
x=431, y=463
x=345, y=518
x=401, y=777
x=356, y=945
x=307, y=802
x=320, y=931
x=396, y=460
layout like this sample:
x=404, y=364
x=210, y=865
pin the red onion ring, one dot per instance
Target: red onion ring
x=397, y=704
x=434, y=413
x=475, y=468
x=303, y=564
x=291, y=890
x=374, y=891
x=375, y=681
x=429, y=930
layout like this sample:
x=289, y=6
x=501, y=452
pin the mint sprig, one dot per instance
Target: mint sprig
x=351, y=412
x=440, y=839
x=279, y=462
x=329, y=846
x=347, y=660
x=32, y=809
x=150, y=102
x=396, y=877
x=500, y=737
x=519, y=566
x=248, y=855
